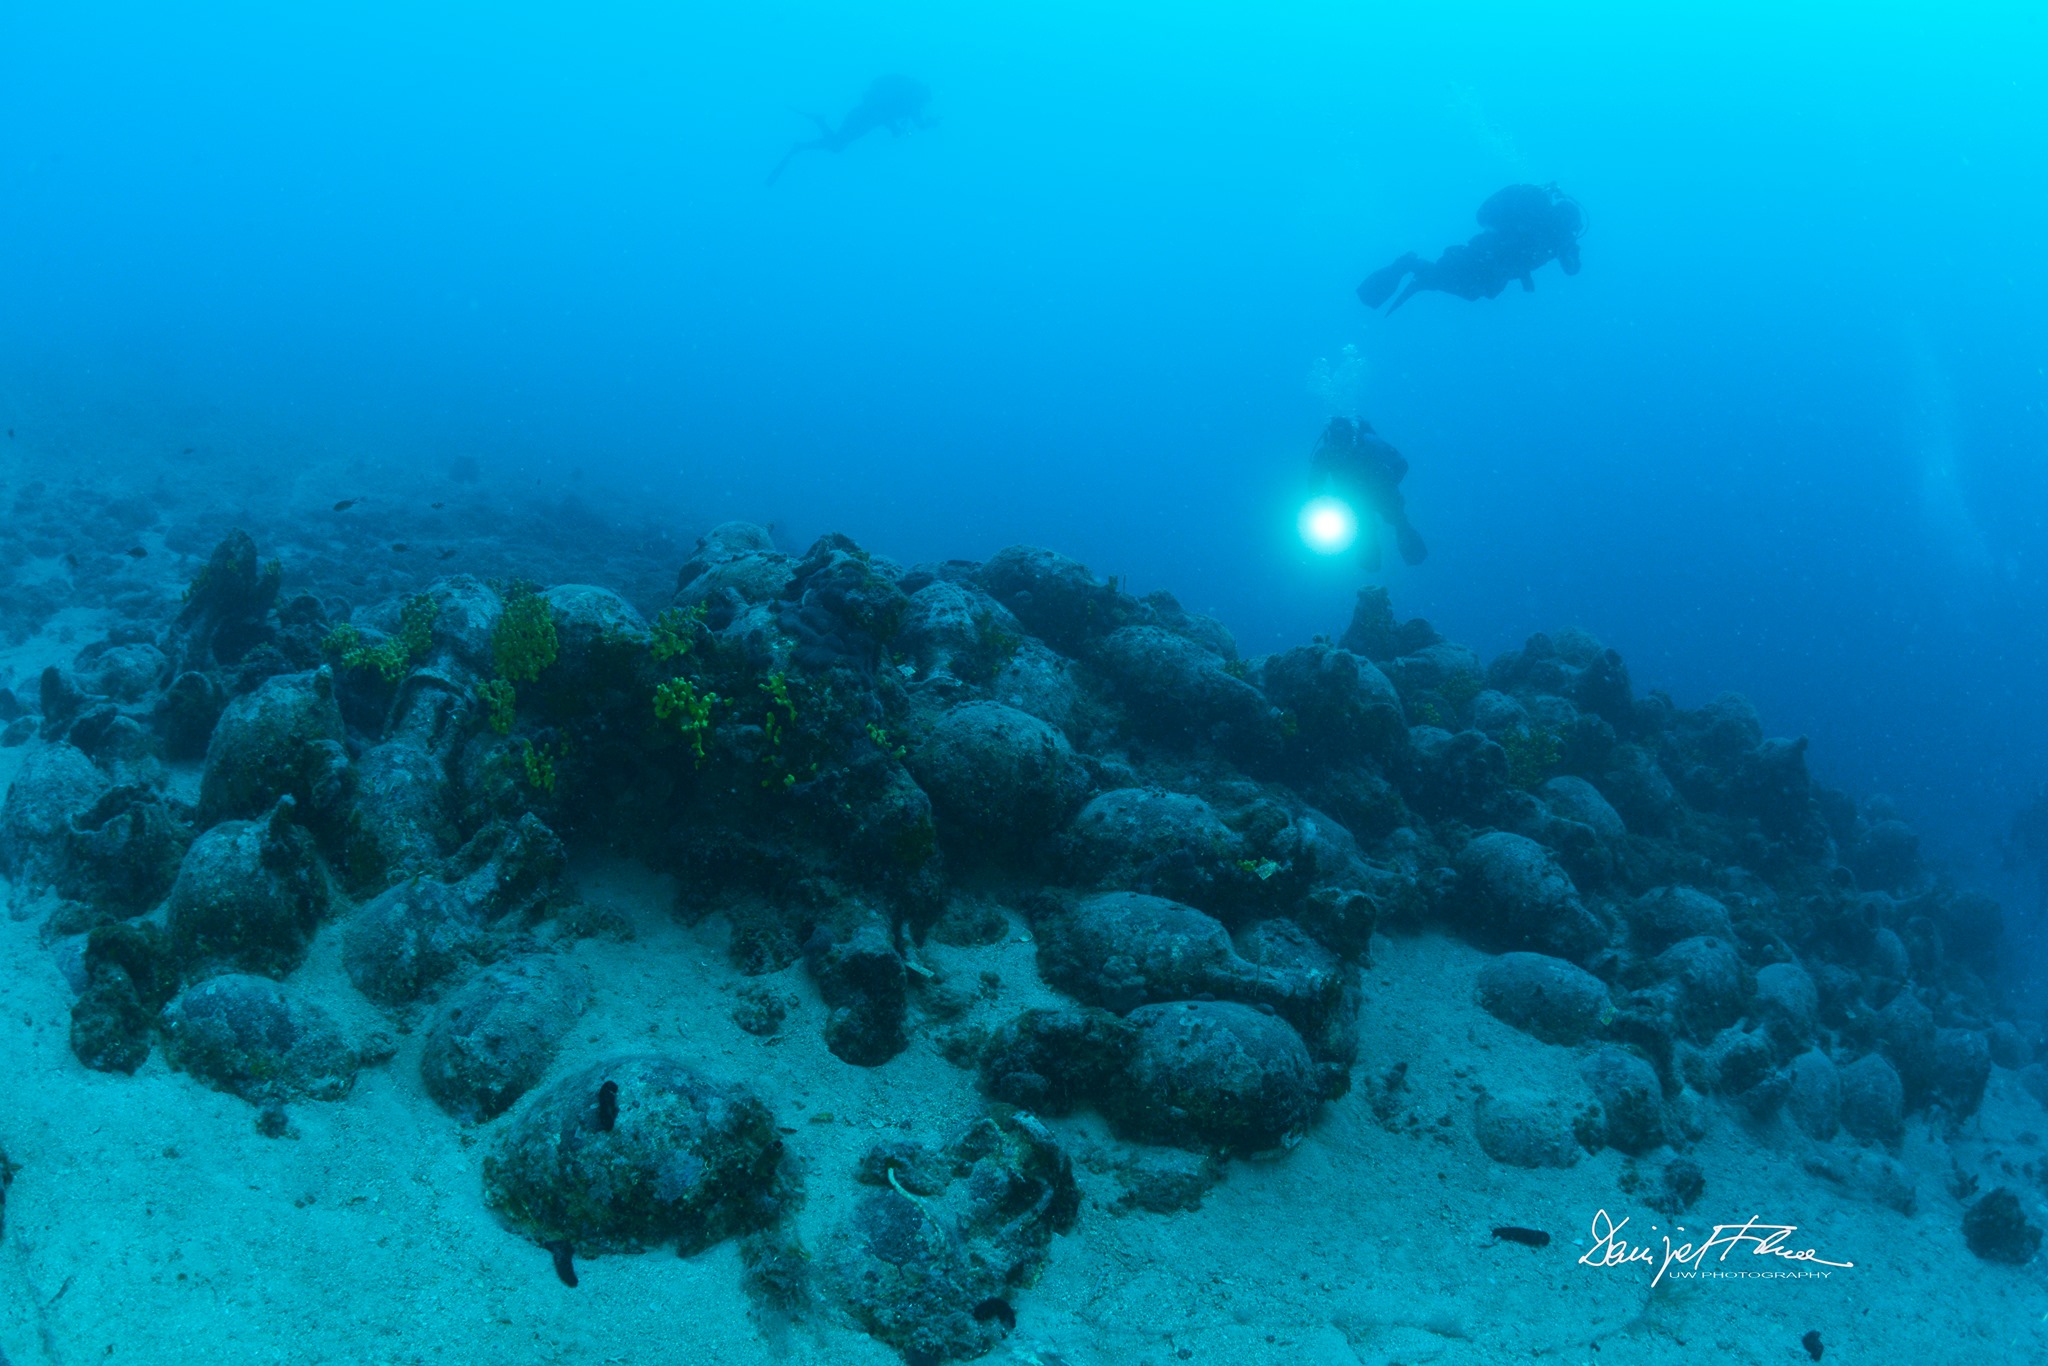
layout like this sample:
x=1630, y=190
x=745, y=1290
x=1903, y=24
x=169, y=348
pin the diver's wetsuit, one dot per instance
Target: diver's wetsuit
x=1523, y=227
x=1354, y=463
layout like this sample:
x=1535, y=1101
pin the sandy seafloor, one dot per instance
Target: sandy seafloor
x=149, y=1220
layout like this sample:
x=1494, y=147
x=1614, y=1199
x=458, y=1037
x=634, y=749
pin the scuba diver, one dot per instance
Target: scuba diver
x=1362, y=468
x=892, y=102
x=1523, y=228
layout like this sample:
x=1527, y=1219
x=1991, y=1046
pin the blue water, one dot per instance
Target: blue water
x=1783, y=435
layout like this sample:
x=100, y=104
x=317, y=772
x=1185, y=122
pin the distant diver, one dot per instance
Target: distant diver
x=1524, y=228
x=1362, y=468
x=892, y=102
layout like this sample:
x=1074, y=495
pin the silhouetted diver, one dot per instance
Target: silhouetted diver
x=892, y=102
x=1525, y=226
x=1362, y=467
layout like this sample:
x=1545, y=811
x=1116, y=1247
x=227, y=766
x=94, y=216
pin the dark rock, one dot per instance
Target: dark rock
x=1165, y=1180
x=842, y=607
x=862, y=980
x=1575, y=799
x=122, y=746
x=917, y=1267
x=686, y=1159
x=189, y=710
x=1661, y=918
x=1373, y=632
x=1725, y=729
x=110, y=1029
x=255, y=1039
x=998, y=777
x=600, y=640
x=760, y=1010
x=1544, y=996
x=1788, y=1001
x=2009, y=1047
x=1640, y=792
x=61, y=700
x=401, y=823
x=1962, y=1069
x=1873, y=1101
x=1708, y=977
x=1521, y=1128
x=283, y=739
x=1512, y=895
x=734, y=562
x=1122, y=950
x=1906, y=1035
x=1178, y=693
x=1738, y=1060
x=1998, y=1230
x=958, y=628
x=1630, y=1095
x=124, y=673
x=1680, y=1187
x=1057, y=598
x=130, y=973
x=510, y=870
x=408, y=938
x=1149, y=840
x=494, y=1038
x=1310, y=987
x=1453, y=776
x=1163, y=609
x=1215, y=1074
x=1877, y=1177
x=1053, y=1060
x=125, y=851
x=249, y=893
x=227, y=607
x=1344, y=707
x=1440, y=668
x=53, y=786
x=1773, y=786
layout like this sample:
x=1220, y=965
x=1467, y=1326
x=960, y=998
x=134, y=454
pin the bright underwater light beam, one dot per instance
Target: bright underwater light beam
x=1328, y=525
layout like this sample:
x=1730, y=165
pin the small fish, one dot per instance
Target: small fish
x=136, y=552
x=187, y=451
x=447, y=554
x=438, y=506
x=400, y=547
x=345, y=504
x=607, y=1105
x=1811, y=1342
x=10, y=433
x=1527, y=1237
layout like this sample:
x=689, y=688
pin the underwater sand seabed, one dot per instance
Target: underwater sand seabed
x=958, y=960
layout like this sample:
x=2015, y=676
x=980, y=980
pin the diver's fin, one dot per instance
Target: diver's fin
x=787, y=157
x=1414, y=288
x=1381, y=284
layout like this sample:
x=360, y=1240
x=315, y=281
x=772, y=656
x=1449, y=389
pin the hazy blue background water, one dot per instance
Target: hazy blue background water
x=1784, y=435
